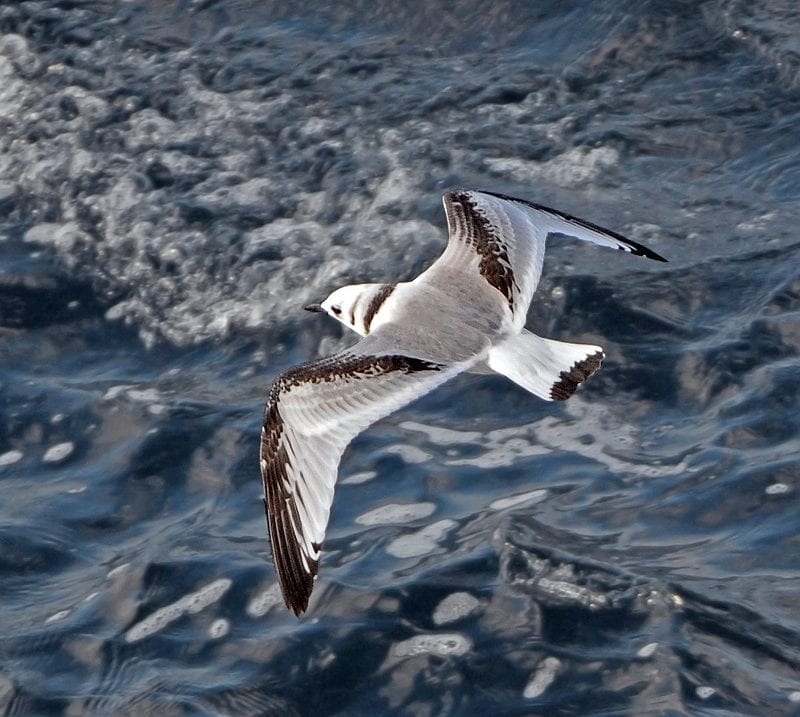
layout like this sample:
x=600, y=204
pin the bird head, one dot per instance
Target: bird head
x=352, y=305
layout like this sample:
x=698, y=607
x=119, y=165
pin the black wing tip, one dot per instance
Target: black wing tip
x=296, y=585
x=297, y=603
x=296, y=588
x=569, y=381
x=640, y=250
x=295, y=582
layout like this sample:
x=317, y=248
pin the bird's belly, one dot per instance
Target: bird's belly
x=436, y=325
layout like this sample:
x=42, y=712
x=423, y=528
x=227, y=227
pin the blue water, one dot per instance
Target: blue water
x=177, y=179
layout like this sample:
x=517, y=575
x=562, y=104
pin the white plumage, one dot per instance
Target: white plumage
x=466, y=312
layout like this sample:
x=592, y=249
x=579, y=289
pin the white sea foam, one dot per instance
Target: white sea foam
x=575, y=166
x=219, y=628
x=358, y=478
x=56, y=617
x=508, y=446
x=455, y=607
x=542, y=679
x=191, y=603
x=59, y=452
x=117, y=570
x=396, y=513
x=647, y=650
x=113, y=391
x=261, y=603
x=530, y=497
x=777, y=489
x=10, y=457
x=420, y=542
x=442, y=645
x=410, y=454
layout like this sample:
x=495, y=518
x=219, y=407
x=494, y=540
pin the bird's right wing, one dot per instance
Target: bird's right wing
x=312, y=413
x=501, y=240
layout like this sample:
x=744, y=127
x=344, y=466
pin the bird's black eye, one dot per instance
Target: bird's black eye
x=336, y=310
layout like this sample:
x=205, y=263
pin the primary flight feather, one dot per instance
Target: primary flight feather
x=466, y=312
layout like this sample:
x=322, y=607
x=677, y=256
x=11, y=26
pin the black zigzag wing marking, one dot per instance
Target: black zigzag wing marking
x=475, y=230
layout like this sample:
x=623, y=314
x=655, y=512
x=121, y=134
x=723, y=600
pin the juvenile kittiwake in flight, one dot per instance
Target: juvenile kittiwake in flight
x=466, y=312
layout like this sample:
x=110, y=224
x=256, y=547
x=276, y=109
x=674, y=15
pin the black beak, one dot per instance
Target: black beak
x=316, y=308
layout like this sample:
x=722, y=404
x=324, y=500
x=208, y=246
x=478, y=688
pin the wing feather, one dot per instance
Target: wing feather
x=501, y=240
x=312, y=413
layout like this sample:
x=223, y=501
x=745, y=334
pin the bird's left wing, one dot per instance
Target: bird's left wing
x=312, y=413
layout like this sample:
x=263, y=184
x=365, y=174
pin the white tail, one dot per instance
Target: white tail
x=549, y=369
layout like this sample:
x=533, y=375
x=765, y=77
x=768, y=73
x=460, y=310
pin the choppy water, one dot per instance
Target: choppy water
x=177, y=179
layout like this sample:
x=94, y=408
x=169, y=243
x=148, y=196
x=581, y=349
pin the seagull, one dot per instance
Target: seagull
x=466, y=312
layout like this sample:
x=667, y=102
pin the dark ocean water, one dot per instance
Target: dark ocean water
x=177, y=179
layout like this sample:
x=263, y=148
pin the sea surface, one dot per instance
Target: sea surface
x=179, y=178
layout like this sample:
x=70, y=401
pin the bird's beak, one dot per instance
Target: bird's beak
x=316, y=308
